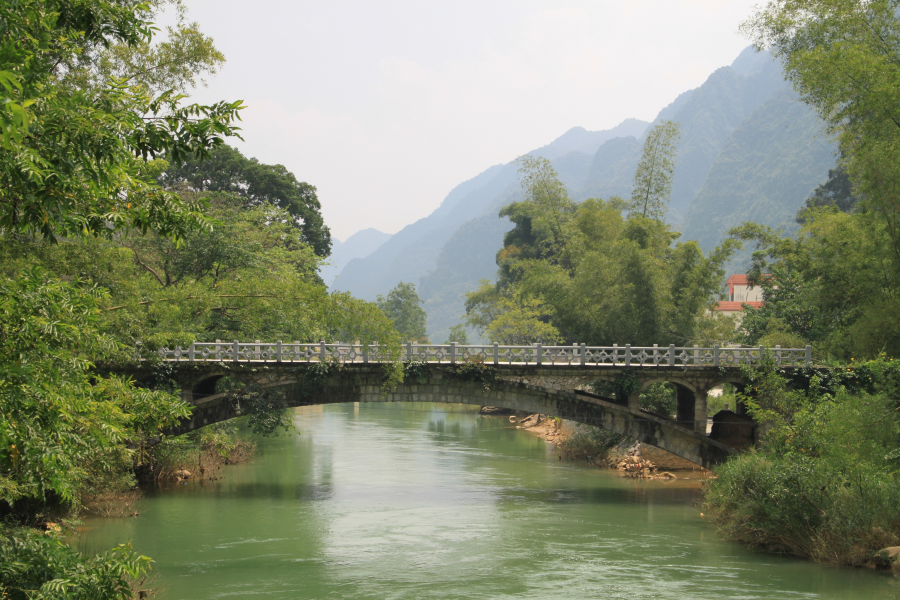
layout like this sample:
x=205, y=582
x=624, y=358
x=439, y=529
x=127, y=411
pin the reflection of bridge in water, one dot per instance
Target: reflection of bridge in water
x=537, y=379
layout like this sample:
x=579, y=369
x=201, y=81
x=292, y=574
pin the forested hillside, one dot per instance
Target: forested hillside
x=748, y=150
x=770, y=163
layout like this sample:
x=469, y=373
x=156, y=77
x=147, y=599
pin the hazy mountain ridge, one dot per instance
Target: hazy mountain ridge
x=779, y=153
x=360, y=244
x=734, y=163
x=414, y=250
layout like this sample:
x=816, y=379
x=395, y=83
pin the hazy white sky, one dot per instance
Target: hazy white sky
x=385, y=106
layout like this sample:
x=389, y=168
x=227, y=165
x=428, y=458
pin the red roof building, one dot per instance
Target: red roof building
x=740, y=292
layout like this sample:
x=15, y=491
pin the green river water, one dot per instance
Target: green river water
x=434, y=501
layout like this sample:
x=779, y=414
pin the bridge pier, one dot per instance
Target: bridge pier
x=634, y=401
x=701, y=411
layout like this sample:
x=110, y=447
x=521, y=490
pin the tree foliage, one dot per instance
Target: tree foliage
x=225, y=169
x=834, y=286
x=74, y=158
x=56, y=417
x=823, y=484
x=836, y=191
x=843, y=56
x=458, y=334
x=403, y=307
x=594, y=275
x=37, y=566
x=655, y=172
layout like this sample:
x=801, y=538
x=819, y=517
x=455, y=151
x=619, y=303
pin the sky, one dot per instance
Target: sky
x=386, y=106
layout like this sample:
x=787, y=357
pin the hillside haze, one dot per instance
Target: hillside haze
x=749, y=149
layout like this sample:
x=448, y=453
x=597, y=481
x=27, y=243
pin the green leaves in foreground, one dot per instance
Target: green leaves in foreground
x=74, y=156
x=36, y=566
x=55, y=418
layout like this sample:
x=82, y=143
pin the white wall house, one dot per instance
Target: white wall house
x=740, y=292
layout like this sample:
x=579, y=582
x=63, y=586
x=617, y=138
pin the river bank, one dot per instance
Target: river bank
x=631, y=459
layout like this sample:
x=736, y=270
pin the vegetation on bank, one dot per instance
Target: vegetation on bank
x=823, y=483
x=591, y=444
x=109, y=249
x=600, y=271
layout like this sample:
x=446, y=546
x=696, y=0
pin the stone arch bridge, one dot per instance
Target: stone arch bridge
x=537, y=379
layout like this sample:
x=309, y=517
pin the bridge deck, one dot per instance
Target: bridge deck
x=534, y=355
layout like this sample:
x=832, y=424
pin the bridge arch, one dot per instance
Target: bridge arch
x=437, y=386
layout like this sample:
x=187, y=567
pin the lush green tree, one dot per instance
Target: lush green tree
x=599, y=277
x=521, y=321
x=834, y=286
x=227, y=170
x=56, y=416
x=404, y=308
x=180, y=61
x=836, y=191
x=74, y=158
x=842, y=56
x=37, y=566
x=823, y=482
x=458, y=334
x=660, y=398
x=655, y=172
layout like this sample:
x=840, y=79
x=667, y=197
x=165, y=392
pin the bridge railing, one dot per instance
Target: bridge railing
x=536, y=354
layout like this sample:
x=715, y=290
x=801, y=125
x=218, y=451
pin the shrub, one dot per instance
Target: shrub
x=660, y=398
x=589, y=443
x=37, y=566
x=824, y=483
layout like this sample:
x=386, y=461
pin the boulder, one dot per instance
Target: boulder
x=495, y=411
x=892, y=555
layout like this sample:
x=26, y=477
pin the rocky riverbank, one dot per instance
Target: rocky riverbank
x=631, y=459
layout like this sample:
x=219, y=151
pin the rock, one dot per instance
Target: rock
x=494, y=410
x=182, y=473
x=890, y=555
x=665, y=475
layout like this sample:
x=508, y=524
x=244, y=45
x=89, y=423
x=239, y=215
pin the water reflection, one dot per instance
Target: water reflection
x=400, y=500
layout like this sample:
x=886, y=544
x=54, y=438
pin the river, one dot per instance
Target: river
x=413, y=501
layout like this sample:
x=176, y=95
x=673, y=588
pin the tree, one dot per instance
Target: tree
x=458, y=334
x=75, y=159
x=834, y=286
x=179, y=62
x=837, y=191
x=843, y=57
x=403, y=307
x=655, y=171
x=55, y=417
x=227, y=170
x=598, y=277
x=520, y=322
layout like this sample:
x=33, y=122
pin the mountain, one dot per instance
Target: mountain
x=749, y=149
x=765, y=171
x=360, y=244
x=414, y=250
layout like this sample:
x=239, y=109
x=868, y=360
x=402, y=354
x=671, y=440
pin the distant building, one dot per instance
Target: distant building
x=740, y=292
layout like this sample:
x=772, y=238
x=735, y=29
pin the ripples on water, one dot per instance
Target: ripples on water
x=411, y=501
